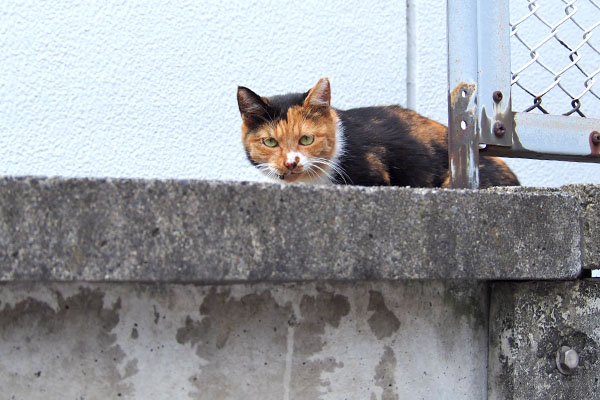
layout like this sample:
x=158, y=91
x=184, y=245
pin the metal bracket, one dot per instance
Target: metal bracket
x=552, y=137
x=493, y=74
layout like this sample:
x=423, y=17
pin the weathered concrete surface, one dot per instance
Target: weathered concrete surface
x=361, y=340
x=529, y=322
x=589, y=202
x=226, y=232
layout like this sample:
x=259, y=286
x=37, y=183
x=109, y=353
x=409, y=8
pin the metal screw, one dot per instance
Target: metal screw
x=567, y=360
x=499, y=129
x=595, y=135
x=497, y=96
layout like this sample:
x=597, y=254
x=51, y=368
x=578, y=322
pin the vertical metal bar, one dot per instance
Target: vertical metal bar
x=463, y=143
x=411, y=55
x=493, y=90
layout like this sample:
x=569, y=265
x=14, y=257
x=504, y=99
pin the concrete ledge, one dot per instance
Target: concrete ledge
x=217, y=232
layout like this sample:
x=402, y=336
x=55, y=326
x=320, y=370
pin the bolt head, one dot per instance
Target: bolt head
x=595, y=135
x=567, y=360
x=499, y=129
x=497, y=96
x=571, y=358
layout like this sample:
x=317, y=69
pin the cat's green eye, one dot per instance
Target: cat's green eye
x=270, y=142
x=306, y=140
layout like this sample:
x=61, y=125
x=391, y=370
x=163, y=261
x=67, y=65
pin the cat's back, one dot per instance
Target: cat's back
x=397, y=146
x=389, y=141
x=391, y=124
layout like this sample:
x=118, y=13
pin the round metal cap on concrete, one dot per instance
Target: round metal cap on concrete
x=567, y=360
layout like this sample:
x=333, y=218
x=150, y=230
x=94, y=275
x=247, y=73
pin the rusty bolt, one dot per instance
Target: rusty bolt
x=499, y=129
x=567, y=360
x=595, y=138
x=497, y=96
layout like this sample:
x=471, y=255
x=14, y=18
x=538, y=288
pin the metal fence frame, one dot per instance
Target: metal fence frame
x=480, y=115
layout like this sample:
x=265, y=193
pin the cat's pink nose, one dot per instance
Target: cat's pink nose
x=291, y=165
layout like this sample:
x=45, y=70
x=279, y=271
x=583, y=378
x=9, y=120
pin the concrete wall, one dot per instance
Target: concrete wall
x=367, y=340
x=213, y=290
x=529, y=323
x=147, y=89
x=378, y=341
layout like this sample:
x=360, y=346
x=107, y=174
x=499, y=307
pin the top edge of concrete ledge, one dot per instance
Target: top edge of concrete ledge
x=220, y=232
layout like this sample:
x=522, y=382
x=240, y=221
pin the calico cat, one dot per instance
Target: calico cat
x=299, y=137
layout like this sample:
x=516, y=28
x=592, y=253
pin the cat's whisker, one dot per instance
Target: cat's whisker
x=337, y=168
x=312, y=174
x=269, y=171
x=324, y=171
x=263, y=167
x=331, y=178
x=324, y=178
x=343, y=175
x=334, y=166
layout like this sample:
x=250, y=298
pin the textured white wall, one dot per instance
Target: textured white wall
x=147, y=88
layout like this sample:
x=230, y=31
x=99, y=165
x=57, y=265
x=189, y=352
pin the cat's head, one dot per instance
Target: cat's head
x=291, y=137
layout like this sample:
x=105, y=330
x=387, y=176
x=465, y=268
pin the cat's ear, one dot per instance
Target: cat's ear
x=251, y=106
x=319, y=95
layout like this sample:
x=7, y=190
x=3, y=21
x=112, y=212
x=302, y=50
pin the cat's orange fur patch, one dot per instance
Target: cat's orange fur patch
x=377, y=165
x=503, y=175
x=446, y=182
x=423, y=129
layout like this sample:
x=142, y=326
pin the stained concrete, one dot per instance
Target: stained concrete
x=589, y=203
x=218, y=232
x=260, y=341
x=529, y=322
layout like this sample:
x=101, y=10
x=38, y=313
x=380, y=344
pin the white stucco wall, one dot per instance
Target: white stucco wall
x=147, y=88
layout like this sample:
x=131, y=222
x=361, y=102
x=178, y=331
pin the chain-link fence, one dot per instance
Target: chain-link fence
x=555, y=56
x=510, y=62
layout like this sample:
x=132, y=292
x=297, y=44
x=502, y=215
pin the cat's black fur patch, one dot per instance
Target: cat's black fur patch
x=275, y=108
x=378, y=131
x=281, y=103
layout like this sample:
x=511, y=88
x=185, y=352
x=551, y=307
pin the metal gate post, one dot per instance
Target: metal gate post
x=479, y=104
x=463, y=145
